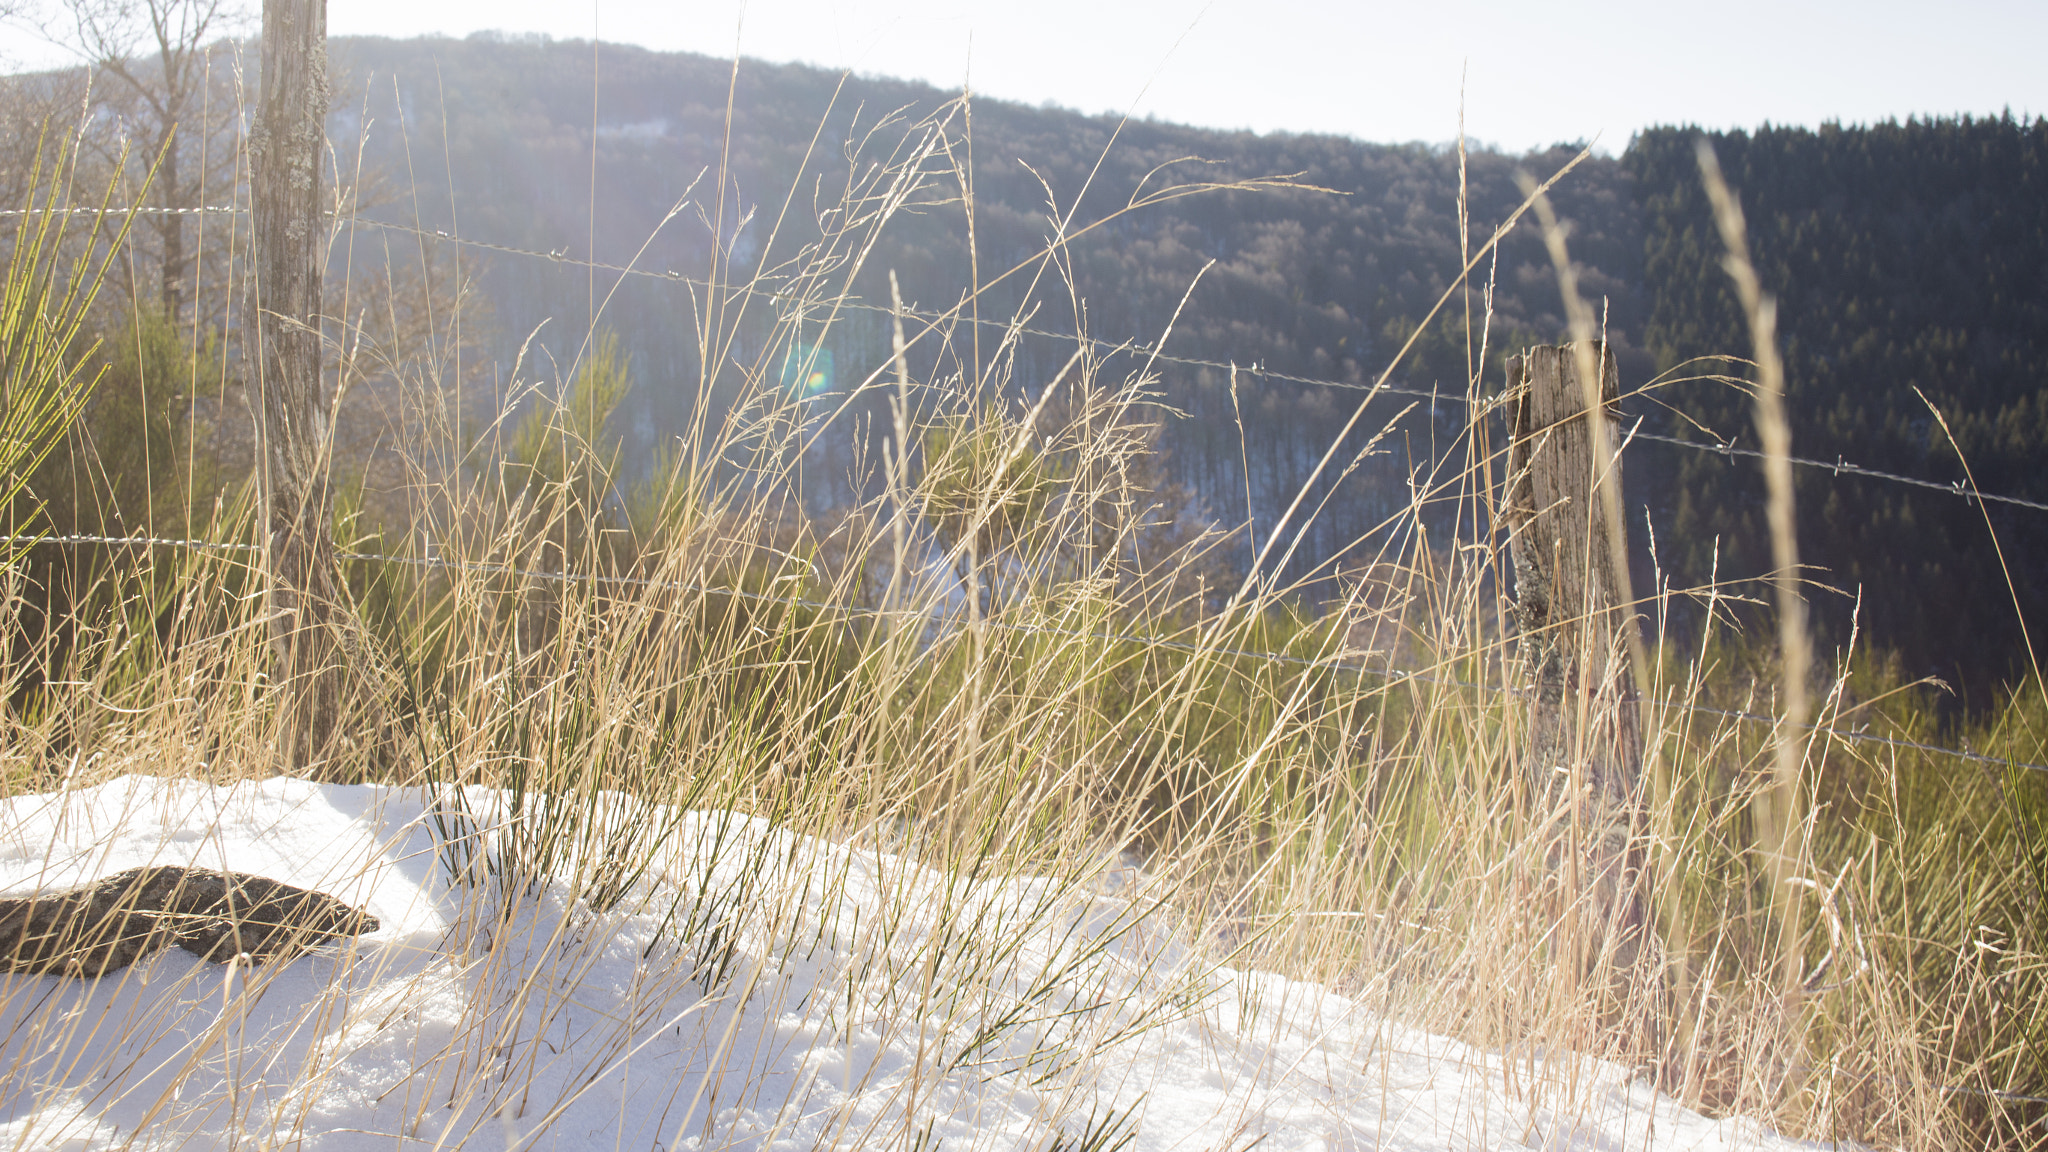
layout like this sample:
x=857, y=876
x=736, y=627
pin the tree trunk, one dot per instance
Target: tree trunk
x=171, y=227
x=283, y=324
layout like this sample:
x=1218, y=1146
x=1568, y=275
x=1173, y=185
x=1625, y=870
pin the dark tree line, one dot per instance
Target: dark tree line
x=1910, y=260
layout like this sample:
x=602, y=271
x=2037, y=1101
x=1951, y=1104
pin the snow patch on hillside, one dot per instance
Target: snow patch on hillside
x=751, y=989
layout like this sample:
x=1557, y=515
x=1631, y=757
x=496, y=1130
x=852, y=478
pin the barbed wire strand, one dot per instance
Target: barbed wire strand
x=1837, y=467
x=1996, y=1094
x=1843, y=466
x=205, y=210
x=1337, y=663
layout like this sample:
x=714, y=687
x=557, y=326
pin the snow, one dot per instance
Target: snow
x=753, y=989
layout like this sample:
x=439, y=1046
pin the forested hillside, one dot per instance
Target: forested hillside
x=1910, y=260
x=1324, y=283
x=1911, y=266
x=1904, y=257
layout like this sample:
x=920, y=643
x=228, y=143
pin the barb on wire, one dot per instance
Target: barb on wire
x=1838, y=467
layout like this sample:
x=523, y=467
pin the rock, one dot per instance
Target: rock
x=111, y=923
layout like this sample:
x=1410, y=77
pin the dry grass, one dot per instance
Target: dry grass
x=1864, y=966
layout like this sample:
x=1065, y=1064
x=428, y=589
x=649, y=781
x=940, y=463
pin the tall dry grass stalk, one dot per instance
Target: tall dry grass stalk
x=997, y=665
x=1783, y=831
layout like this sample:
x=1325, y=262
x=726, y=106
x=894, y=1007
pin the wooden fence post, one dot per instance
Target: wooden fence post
x=282, y=326
x=1576, y=623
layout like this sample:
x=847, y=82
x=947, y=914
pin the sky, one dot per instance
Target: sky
x=1530, y=74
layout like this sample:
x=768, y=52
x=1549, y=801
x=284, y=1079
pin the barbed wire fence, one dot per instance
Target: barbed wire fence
x=1837, y=467
x=560, y=256
x=1726, y=449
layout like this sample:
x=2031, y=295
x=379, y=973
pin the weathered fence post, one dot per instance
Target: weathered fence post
x=282, y=325
x=1573, y=612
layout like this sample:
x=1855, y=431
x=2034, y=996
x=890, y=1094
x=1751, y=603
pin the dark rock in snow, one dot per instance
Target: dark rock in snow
x=113, y=922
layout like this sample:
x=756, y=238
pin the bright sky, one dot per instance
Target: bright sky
x=1534, y=73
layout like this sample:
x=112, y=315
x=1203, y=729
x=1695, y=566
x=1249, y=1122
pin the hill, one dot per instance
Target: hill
x=1908, y=259
x=1906, y=256
x=1323, y=281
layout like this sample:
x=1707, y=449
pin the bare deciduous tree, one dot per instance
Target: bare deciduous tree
x=33, y=110
x=161, y=57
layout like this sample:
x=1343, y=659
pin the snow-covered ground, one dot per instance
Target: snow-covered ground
x=753, y=989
